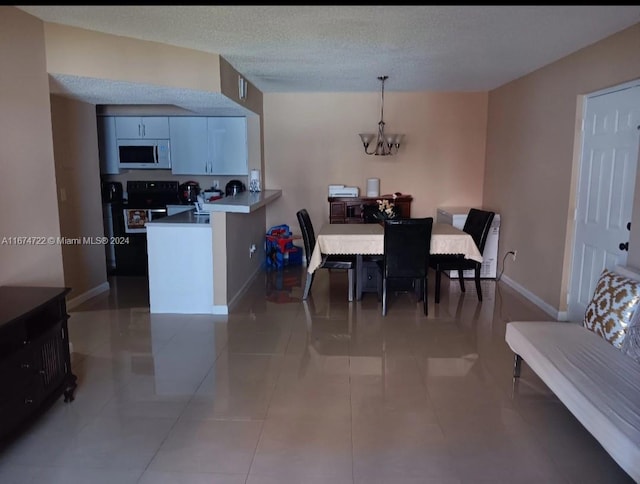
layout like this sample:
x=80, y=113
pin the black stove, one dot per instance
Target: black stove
x=152, y=194
x=146, y=200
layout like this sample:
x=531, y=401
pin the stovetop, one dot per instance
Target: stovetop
x=152, y=194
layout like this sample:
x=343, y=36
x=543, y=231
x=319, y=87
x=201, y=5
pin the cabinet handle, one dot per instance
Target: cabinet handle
x=144, y=131
x=139, y=130
x=28, y=401
x=25, y=366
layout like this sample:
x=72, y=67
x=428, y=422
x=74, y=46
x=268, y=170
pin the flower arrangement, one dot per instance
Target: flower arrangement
x=386, y=209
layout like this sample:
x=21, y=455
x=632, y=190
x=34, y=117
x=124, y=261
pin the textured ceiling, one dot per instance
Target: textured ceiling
x=345, y=48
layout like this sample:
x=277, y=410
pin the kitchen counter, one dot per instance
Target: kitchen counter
x=183, y=218
x=217, y=254
x=180, y=259
x=245, y=202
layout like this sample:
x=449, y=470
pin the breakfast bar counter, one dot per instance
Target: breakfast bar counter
x=187, y=218
x=244, y=202
x=180, y=258
x=190, y=256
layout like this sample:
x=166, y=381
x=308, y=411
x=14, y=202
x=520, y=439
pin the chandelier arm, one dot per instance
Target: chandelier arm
x=367, y=151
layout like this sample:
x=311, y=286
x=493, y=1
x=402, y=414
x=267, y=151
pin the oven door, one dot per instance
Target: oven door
x=135, y=220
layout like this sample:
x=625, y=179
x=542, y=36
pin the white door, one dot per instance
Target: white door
x=605, y=191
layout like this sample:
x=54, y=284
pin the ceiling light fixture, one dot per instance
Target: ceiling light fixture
x=385, y=144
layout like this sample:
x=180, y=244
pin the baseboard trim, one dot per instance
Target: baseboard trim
x=220, y=309
x=85, y=296
x=547, y=308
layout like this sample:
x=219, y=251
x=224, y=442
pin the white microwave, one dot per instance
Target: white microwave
x=143, y=154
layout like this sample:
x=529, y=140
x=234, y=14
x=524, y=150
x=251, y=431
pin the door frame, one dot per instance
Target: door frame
x=576, y=169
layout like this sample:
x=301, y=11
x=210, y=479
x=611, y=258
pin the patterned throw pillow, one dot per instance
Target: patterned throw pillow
x=613, y=303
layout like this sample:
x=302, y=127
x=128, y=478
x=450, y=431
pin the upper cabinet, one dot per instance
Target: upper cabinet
x=135, y=127
x=107, y=147
x=198, y=145
x=189, y=149
x=209, y=145
x=227, y=139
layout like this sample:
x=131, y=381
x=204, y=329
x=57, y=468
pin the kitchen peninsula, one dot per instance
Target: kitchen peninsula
x=200, y=264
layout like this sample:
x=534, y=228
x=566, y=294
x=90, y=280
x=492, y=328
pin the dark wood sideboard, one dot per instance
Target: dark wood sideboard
x=35, y=363
x=348, y=210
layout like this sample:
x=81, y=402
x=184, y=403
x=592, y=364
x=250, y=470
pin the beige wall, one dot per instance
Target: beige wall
x=27, y=185
x=243, y=230
x=311, y=141
x=78, y=175
x=530, y=159
x=84, y=53
x=233, y=268
x=229, y=87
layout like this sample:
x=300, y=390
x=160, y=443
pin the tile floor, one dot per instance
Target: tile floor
x=283, y=391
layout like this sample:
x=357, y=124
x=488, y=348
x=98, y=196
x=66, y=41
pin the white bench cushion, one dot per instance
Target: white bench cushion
x=593, y=379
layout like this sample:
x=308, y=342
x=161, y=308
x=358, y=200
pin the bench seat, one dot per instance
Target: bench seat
x=597, y=382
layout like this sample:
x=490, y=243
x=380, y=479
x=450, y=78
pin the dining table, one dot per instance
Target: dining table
x=368, y=239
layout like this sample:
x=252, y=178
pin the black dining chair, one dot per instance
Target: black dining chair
x=329, y=261
x=407, y=244
x=477, y=224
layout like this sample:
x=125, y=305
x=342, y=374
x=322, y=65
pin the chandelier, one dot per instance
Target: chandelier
x=385, y=144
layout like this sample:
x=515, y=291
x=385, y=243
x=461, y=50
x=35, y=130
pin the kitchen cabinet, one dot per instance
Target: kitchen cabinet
x=136, y=127
x=348, y=210
x=189, y=146
x=209, y=145
x=199, y=145
x=228, y=148
x=107, y=146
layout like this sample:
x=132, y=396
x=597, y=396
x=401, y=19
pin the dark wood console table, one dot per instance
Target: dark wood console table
x=348, y=210
x=35, y=364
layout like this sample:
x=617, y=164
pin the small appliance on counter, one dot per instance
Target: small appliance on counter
x=189, y=192
x=211, y=195
x=234, y=187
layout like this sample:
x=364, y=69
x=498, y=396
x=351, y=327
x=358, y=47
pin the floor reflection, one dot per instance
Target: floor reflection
x=290, y=391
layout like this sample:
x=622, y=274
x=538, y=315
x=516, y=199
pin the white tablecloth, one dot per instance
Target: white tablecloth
x=368, y=239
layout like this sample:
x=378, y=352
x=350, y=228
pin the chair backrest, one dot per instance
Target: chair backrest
x=407, y=243
x=477, y=225
x=308, y=235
